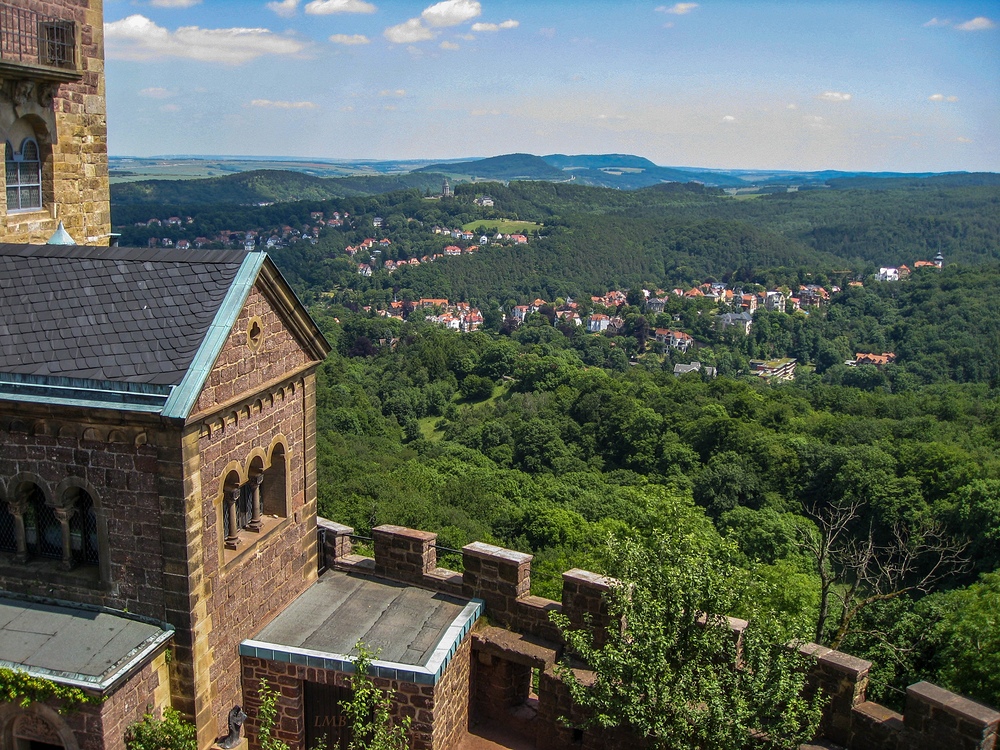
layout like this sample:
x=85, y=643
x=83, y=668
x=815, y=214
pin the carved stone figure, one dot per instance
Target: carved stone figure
x=236, y=719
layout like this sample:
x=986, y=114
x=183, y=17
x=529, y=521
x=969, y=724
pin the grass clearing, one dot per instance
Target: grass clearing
x=506, y=226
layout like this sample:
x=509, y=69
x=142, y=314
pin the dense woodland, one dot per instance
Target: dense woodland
x=866, y=501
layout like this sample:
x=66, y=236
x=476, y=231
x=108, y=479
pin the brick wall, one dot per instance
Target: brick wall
x=75, y=151
x=934, y=719
x=241, y=369
x=439, y=714
x=258, y=403
x=121, y=477
x=93, y=727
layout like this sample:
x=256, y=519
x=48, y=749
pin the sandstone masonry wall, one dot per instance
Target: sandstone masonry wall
x=934, y=719
x=72, y=132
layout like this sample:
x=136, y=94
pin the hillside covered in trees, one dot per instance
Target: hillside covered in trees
x=864, y=499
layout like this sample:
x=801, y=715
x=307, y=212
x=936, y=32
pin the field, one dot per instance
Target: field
x=506, y=226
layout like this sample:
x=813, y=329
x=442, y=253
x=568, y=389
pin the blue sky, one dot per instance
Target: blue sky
x=785, y=84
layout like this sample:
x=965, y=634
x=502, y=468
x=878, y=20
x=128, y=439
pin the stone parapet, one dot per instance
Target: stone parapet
x=935, y=719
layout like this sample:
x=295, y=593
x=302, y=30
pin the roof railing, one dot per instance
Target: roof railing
x=30, y=38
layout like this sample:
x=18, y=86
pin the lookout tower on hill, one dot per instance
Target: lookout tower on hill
x=446, y=189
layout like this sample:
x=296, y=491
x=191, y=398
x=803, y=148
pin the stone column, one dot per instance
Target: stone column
x=255, y=507
x=63, y=515
x=233, y=537
x=17, y=509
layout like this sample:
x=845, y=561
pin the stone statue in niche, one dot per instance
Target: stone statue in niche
x=236, y=719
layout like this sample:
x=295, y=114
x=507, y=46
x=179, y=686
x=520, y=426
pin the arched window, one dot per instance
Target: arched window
x=42, y=530
x=8, y=529
x=83, y=532
x=24, y=176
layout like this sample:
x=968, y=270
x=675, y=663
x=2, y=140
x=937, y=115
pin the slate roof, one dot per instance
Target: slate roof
x=124, y=315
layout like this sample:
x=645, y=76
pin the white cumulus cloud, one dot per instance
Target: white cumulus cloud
x=678, y=9
x=449, y=45
x=980, y=23
x=834, y=96
x=284, y=8
x=268, y=104
x=137, y=38
x=156, y=92
x=937, y=22
x=391, y=92
x=508, y=24
x=173, y=3
x=408, y=32
x=962, y=139
x=329, y=7
x=451, y=12
x=942, y=98
x=350, y=39
x=728, y=118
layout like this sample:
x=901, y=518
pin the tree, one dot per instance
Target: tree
x=873, y=565
x=169, y=733
x=675, y=673
x=369, y=711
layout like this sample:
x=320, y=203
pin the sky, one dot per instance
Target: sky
x=870, y=85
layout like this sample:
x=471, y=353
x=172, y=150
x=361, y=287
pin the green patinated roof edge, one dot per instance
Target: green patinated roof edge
x=184, y=396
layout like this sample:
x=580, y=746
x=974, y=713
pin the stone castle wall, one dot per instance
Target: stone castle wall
x=256, y=413
x=118, y=466
x=504, y=656
x=70, y=122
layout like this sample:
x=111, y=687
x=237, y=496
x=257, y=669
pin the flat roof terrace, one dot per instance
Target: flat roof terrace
x=414, y=631
x=85, y=647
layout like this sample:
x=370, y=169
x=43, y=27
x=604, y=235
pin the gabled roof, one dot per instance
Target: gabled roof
x=127, y=328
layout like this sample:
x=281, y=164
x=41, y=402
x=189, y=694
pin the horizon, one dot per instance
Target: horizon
x=829, y=85
x=356, y=160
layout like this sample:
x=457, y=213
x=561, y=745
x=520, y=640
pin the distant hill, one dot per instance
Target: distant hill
x=266, y=186
x=506, y=167
x=895, y=182
x=599, y=161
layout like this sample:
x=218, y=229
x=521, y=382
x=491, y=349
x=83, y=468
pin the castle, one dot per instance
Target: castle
x=159, y=540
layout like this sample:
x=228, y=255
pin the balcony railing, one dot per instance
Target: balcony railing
x=31, y=39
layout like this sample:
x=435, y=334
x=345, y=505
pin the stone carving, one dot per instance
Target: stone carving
x=236, y=719
x=22, y=91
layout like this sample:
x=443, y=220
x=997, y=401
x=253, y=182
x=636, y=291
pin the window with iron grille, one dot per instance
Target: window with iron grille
x=42, y=530
x=24, y=176
x=83, y=532
x=8, y=530
x=244, y=509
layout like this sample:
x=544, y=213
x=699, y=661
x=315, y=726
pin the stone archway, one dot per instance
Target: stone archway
x=35, y=727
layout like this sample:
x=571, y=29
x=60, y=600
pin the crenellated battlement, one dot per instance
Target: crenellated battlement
x=526, y=639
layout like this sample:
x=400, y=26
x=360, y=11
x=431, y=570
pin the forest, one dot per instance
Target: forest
x=864, y=500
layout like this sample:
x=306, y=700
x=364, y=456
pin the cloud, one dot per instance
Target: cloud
x=284, y=8
x=979, y=23
x=792, y=106
x=408, y=32
x=137, y=38
x=173, y=3
x=508, y=24
x=170, y=108
x=941, y=98
x=350, y=39
x=728, y=118
x=961, y=139
x=268, y=104
x=484, y=112
x=937, y=22
x=451, y=12
x=329, y=7
x=155, y=92
x=834, y=96
x=449, y=45
x=815, y=122
x=388, y=92
x=678, y=9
